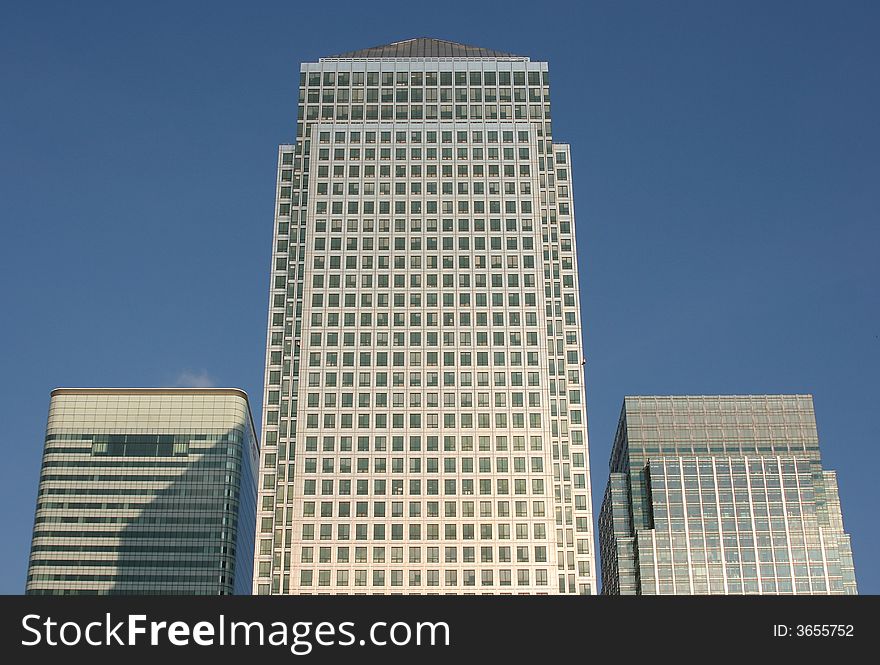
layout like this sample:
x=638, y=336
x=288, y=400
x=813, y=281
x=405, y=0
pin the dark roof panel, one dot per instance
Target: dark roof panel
x=424, y=47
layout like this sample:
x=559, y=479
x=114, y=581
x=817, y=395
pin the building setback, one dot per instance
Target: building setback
x=146, y=491
x=424, y=425
x=722, y=495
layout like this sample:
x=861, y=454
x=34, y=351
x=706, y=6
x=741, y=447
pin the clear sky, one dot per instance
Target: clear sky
x=725, y=163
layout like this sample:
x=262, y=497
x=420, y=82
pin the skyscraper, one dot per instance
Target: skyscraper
x=722, y=495
x=146, y=491
x=424, y=424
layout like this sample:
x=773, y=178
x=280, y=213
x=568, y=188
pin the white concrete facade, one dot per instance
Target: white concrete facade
x=424, y=426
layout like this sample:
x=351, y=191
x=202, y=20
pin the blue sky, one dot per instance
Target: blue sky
x=725, y=163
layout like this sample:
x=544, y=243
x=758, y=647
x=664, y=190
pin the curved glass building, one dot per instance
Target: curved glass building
x=146, y=491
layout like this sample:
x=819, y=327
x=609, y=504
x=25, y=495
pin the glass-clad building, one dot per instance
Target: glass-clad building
x=424, y=428
x=146, y=491
x=722, y=495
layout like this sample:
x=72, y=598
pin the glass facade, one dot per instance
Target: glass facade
x=722, y=495
x=146, y=491
x=424, y=425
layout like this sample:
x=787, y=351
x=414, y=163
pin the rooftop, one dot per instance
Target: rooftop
x=150, y=391
x=423, y=47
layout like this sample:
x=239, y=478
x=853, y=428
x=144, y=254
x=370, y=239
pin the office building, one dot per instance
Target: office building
x=722, y=495
x=146, y=491
x=424, y=427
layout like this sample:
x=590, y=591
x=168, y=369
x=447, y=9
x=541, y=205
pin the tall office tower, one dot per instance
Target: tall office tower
x=424, y=421
x=146, y=491
x=722, y=495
